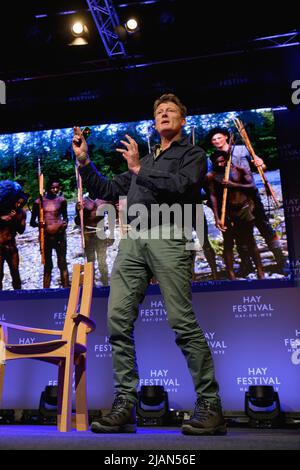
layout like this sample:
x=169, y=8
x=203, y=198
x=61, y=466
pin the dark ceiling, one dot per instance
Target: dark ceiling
x=206, y=53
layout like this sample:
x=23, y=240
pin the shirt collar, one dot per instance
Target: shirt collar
x=156, y=149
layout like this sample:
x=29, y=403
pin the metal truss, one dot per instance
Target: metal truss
x=279, y=40
x=106, y=19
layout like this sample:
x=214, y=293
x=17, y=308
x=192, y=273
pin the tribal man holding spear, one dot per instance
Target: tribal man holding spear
x=219, y=138
x=238, y=221
x=54, y=225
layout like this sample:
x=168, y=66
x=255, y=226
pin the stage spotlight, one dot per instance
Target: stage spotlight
x=7, y=416
x=128, y=30
x=47, y=412
x=153, y=405
x=30, y=417
x=77, y=28
x=48, y=405
x=80, y=32
x=262, y=406
x=131, y=25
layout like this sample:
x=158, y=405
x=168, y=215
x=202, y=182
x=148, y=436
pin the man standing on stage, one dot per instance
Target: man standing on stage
x=55, y=225
x=171, y=174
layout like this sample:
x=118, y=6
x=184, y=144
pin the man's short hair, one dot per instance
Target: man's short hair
x=50, y=182
x=218, y=130
x=170, y=97
x=217, y=154
x=10, y=193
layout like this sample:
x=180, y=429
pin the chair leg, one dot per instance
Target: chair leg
x=2, y=368
x=82, y=423
x=65, y=379
x=61, y=375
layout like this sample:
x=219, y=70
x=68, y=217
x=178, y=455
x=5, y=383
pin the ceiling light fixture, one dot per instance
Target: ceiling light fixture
x=131, y=25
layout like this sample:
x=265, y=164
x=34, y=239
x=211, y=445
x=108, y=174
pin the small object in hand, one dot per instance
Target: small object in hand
x=85, y=133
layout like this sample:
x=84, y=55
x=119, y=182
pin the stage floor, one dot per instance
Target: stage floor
x=147, y=439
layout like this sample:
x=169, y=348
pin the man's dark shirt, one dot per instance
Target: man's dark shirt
x=175, y=176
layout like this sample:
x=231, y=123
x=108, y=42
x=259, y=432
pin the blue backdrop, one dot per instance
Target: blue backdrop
x=252, y=331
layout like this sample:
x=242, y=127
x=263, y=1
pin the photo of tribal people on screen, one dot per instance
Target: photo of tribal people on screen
x=48, y=222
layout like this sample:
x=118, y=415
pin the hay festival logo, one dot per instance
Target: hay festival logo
x=257, y=376
x=153, y=312
x=254, y=307
x=161, y=377
x=292, y=207
x=217, y=345
x=292, y=343
x=295, y=269
x=103, y=349
x=24, y=340
x=59, y=317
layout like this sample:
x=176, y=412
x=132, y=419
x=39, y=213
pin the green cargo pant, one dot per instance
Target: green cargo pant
x=171, y=264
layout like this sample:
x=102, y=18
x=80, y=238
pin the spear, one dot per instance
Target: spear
x=243, y=133
x=41, y=211
x=149, y=138
x=226, y=178
x=80, y=202
x=192, y=136
x=86, y=132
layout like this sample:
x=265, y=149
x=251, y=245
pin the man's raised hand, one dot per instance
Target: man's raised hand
x=80, y=147
x=131, y=154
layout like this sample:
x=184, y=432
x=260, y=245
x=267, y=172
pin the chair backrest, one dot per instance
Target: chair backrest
x=80, y=299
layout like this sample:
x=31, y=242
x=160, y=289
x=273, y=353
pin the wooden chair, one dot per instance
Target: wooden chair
x=68, y=352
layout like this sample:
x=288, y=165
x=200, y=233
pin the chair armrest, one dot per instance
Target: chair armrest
x=79, y=318
x=30, y=329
